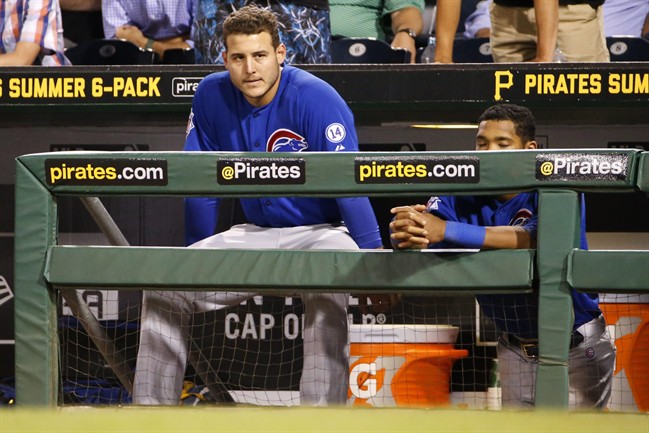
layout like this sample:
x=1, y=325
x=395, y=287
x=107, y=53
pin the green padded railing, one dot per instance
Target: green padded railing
x=41, y=265
x=337, y=271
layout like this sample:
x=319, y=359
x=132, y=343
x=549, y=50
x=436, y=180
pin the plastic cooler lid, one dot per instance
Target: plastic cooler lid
x=623, y=298
x=403, y=333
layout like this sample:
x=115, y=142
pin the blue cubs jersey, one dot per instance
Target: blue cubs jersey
x=306, y=115
x=511, y=312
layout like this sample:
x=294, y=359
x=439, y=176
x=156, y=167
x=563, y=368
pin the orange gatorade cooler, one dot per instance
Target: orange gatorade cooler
x=401, y=365
x=627, y=317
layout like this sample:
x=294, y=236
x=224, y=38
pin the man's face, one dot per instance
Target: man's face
x=254, y=66
x=500, y=135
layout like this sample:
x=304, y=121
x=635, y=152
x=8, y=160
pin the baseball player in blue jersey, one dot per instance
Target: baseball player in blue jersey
x=510, y=221
x=259, y=105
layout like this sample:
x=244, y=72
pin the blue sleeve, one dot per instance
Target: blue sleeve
x=532, y=226
x=327, y=129
x=201, y=213
x=332, y=129
x=443, y=207
x=358, y=215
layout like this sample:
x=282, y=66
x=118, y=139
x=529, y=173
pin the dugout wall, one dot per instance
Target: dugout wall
x=42, y=266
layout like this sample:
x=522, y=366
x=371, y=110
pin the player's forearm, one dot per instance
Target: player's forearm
x=547, y=21
x=446, y=22
x=419, y=230
x=358, y=215
x=508, y=237
x=485, y=238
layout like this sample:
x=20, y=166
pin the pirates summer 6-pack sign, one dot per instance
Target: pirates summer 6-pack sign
x=146, y=85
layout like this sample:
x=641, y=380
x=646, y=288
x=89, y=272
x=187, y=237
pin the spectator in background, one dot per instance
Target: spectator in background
x=304, y=28
x=81, y=21
x=533, y=29
x=151, y=24
x=394, y=21
x=621, y=18
x=626, y=18
x=31, y=33
x=478, y=24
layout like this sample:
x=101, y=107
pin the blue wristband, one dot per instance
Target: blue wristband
x=467, y=235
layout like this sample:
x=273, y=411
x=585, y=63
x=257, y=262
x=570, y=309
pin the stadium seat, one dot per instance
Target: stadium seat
x=109, y=52
x=179, y=56
x=474, y=50
x=628, y=48
x=366, y=50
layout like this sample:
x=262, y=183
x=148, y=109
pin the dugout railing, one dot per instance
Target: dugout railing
x=42, y=267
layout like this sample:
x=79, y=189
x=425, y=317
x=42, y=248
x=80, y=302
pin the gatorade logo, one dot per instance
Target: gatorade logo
x=370, y=379
x=363, y=380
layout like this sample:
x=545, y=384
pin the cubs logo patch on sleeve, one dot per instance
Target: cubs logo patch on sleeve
x=285, y=140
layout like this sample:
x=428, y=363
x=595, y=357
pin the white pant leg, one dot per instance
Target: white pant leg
x=162, y=352
x=517, y=376
x=166, y=317
x=591, y=367
x=164, y=340
x=325, y=371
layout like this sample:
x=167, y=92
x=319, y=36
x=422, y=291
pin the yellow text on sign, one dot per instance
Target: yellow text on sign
x=30, y=87
x=140, y=87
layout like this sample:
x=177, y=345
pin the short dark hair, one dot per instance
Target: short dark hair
x=521, y=117
x=251, y=20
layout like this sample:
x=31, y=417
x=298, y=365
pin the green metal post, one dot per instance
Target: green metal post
x=35, y=305
x=558, y=235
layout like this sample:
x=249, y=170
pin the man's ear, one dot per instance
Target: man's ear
x=280, y=52
x=532, y=144
x=224, y=55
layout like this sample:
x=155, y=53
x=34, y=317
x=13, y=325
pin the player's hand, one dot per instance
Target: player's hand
x=378, y=303
x=414, y=228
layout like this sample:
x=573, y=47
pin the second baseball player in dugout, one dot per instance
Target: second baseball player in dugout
x=510, y=221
